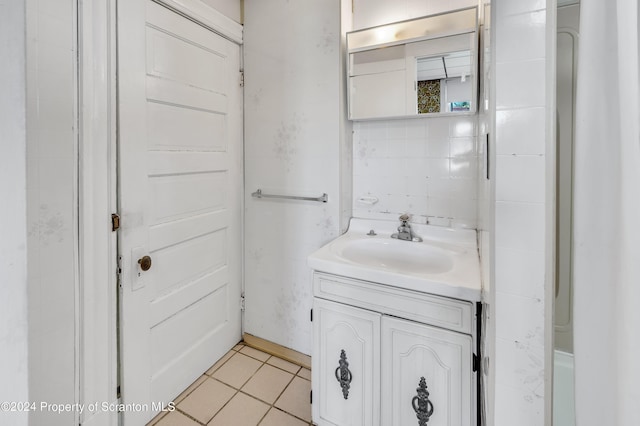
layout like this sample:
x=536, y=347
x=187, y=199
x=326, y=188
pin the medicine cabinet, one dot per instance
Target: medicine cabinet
x=421, y=67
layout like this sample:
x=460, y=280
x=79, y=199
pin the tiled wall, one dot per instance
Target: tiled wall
x=486, y=180
x=522, y=236
x=293, y=146
x=51, y=206
x=426, y=167
x=423, y=166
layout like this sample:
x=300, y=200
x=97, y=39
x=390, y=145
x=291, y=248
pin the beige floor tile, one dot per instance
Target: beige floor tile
x=305, y=373
x=190, y=389
x=221, y=361
x=237, y=370
x=208, y=398
x=268, y=383
x=242, y=410
x=254, y=353
x=176, y=418
x=295, y=399
x=285, y=365
x=154, y=421
x=276, y=417
x=238, y=346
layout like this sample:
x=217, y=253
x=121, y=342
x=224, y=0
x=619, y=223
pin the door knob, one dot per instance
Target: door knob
x=145, y=263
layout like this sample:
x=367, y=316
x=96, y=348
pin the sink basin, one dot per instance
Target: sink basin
x=444, y=263
x=395, y=255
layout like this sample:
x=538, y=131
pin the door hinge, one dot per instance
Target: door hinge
x=241, y=78
x=242, y=301
x=311, y=315
x=475, y=362
x=119, y=267
x=115, y=222
x=310, y=397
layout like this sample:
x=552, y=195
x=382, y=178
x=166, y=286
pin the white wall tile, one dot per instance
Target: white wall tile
x=413, y=174
x=521, y=272
x=461, y=127
x=462, y=146
x=463, y=168
x=520, y=84
x=522, y=36
x=438, y=129
x=519, y=318
x=524, y=178
x=517, y=406
x=438, y=146
x=520, y=221
x=437, y=168
x=520, y=131
x=521, y=365
x=519, y=226
x=416, y=129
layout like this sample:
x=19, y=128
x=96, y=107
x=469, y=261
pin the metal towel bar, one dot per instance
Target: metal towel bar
x=323, y=198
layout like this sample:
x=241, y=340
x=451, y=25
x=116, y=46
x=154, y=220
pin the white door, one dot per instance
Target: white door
x=412, y=351
x=180, y=182
x=346, y=365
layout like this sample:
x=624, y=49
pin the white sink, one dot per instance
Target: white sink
x=445, y=262
x=394, y=255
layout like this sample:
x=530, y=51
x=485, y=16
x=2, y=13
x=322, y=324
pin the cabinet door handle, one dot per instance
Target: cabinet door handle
x=343, y=374
x=421, y=404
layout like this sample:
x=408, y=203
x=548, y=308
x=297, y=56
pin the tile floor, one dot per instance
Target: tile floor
x=246, y=387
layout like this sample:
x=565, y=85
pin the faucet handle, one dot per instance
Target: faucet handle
x=404, y=218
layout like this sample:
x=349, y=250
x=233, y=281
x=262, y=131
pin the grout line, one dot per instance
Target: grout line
x=227, y=360
x=239, y=389
x=190, y=416
x=225, y=404
x=236, y=389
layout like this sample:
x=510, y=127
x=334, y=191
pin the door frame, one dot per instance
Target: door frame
x=98, y=266
x=97, y=316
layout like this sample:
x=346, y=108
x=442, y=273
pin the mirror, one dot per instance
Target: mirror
x=444, y=83
x=421, y=67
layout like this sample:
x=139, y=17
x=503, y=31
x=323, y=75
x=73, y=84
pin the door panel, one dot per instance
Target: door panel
x=411, y=351
x=356, y=332
x=180, y=156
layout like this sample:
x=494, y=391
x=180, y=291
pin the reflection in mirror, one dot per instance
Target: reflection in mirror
x=444, y=83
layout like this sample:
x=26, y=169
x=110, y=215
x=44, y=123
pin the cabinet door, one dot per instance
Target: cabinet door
x=412, y=351
x=345, y=365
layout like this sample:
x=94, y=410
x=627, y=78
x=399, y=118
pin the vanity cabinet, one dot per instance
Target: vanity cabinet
x=374, y=364
x=412, y=351
x=347, y=364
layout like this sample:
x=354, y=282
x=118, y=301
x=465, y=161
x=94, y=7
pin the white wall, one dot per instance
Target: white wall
x=51, y=206
x=369, y=13
x=13, y=234
x=523, y=240
x=294, y=128
x=231, y=8
x=423, y=166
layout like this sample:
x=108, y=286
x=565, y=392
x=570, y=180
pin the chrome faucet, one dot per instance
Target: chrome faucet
x=404, y=230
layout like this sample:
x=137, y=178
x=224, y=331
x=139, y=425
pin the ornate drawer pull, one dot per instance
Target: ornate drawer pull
x=421, y=404
x=343, y=374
